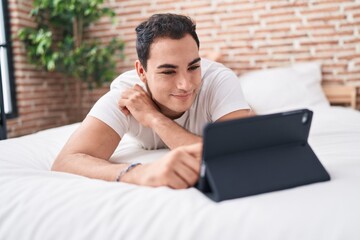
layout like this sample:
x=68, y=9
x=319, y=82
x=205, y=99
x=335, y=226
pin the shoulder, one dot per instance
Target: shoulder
x=215, y=75
x=126, y=80
x=209, y=68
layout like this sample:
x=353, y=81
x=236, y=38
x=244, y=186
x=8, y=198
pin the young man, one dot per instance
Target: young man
x=165, y=102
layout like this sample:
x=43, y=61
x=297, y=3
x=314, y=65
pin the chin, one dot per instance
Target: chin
x=174, y=112
x=180, y=107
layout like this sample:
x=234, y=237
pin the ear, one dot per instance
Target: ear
x=140, y=71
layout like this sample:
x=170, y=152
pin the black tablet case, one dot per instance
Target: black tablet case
x=259, y=154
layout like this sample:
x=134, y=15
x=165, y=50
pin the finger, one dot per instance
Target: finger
x=194, y=149
x=176, y=173
x=187, y=174
x=127, y=93
x=122, y=106
x=125, y=111
x=192, y=163
x=122, y=103
x=177, y=182
x=191, y=155
x=138, y=88
x=185, y=165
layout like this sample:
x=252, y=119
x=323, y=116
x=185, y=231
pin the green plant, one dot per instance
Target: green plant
x=57, y=43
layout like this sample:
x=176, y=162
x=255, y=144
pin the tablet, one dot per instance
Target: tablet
x=259, y=154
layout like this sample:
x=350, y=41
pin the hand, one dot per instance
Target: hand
x=137, y=102
x=178, y=169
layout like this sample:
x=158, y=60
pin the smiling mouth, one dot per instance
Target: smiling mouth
x=182, y=95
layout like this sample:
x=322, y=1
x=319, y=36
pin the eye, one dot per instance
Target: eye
x=192, y=68
x=168, y=72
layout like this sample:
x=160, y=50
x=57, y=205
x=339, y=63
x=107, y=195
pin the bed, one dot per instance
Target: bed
x=39, y=204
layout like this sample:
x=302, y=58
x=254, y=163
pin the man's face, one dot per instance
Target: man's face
x=173, y=75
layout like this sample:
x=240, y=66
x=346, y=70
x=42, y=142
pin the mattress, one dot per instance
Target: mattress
x=37, y=203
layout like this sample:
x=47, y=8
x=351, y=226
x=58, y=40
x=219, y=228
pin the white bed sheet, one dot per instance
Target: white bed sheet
x=36, y=203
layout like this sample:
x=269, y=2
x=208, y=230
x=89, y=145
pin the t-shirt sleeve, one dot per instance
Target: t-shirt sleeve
x=106, y=110
x=226, y=95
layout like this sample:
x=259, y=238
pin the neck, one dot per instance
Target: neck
x=167, y=112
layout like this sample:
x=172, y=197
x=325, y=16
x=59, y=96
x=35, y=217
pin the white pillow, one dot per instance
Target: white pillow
x=286, y=88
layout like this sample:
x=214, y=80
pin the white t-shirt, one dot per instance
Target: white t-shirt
x=220, y=94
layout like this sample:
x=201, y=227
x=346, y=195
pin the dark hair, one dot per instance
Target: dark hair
x=162, y=25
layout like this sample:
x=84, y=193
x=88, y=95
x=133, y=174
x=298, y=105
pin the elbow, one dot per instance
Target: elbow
x=59, y=164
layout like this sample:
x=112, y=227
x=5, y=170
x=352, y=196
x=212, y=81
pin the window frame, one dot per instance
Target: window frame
x=10, y=66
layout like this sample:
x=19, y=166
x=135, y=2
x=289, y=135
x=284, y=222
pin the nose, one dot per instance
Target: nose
x=184, y=83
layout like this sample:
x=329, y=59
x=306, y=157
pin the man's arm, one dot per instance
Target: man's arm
x=174, y=135
x=237, y=114
x=88, y=150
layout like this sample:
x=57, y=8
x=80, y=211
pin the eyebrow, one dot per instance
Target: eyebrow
x=167, y=65
x=194, y=61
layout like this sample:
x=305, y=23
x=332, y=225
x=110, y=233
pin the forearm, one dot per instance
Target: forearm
x=88, y=166
x=171, y=133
